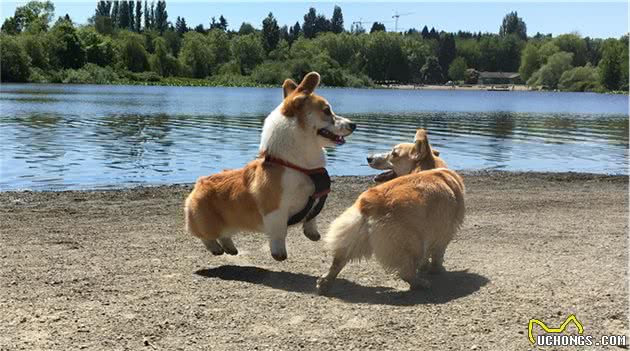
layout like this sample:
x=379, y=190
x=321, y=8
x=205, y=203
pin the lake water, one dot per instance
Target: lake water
x=57, y=137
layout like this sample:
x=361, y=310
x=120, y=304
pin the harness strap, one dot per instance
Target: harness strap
x=321, y=180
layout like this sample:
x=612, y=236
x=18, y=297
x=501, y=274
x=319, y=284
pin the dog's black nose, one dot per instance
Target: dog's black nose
x=370, y=159
x=353, y=126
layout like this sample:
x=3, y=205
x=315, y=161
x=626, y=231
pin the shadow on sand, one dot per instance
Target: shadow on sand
x=445, y=287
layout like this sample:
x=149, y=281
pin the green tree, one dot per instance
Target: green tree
x=446, y=50
x=512, y=24
x=248, y=52
x=99, y=49
x=385, y=57
x=147, y=16
x=124, y=21
x=547, y=50
x=103, y=8
x=509, y=54
x=115, y=14
x=294, y=33
x=161, y=17
x=67, y=49
x=530, y=60
x=14, y=62
x=469, y=50
x=337, y=20
x=425, y=32
x=138, y=20
x=196, y=56
x=610, y=65
x=246, y=28
x=133, y=54
x=132, y=20
x=36, y=49
x=173, y=40
x=489, y=47
x=549, y=74
x=417, y=51
x=575, y=44
x=580, y=79
x=219, y=43
x=270, y=33
x=180, y=26
x=309, y=27
x=162, y=62
x=457, y=69
x=377, y=27
x=33, y=17
x=431, y=71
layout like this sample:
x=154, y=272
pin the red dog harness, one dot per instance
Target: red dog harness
x=320, y=179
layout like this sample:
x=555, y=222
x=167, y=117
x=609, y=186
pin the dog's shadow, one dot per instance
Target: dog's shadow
x=444, y=288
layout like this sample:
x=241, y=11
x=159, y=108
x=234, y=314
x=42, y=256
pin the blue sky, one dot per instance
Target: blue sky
x=595, y=19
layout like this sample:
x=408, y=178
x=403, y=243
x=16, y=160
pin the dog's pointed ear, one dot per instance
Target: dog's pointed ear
x=309, y=83
x=288, y=87
x=423, y=149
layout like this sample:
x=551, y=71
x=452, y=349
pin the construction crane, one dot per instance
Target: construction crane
x=397, y=15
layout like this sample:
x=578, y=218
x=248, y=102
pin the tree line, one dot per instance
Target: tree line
x=137, y=42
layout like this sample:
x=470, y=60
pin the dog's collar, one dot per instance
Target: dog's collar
x=281, y=162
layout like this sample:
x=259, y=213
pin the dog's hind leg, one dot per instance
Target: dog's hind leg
x=228, y=245
x=325, y=282
x=310, y=230
x=437, y=259
x=408, y=269
x=213, y=246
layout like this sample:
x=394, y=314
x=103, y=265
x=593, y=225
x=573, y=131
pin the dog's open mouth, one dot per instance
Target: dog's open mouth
x=385, y=176
x=337, y=139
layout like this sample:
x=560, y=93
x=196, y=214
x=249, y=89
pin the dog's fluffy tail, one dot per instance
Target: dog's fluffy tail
x=348, y=236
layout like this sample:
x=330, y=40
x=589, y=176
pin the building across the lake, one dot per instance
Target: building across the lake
x=489, y=78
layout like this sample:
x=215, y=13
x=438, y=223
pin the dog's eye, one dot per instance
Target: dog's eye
x=327, y=111
x=394, y=153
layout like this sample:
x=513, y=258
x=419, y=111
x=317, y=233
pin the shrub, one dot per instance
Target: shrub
x=580, y=79
x=272, y=73
x=90, y=74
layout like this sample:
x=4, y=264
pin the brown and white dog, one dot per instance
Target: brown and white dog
x=267, y=192
x=404, y=221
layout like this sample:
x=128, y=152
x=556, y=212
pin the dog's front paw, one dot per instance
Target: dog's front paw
x=323, y=285
x=312, y=235
x=436, y=269
x=279, y=256
x=213, y=246
x=310, y=230
x=419, y=283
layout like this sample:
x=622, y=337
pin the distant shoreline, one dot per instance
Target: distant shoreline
x=207, y=84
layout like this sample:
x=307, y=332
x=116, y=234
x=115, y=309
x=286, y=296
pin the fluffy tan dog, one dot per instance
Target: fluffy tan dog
x=405, y=221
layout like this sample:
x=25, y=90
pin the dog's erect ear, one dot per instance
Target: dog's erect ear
x=288, y=87
x=309, y=83
x=422, y=145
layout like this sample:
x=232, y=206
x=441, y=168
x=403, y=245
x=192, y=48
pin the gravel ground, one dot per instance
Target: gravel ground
x=115, y=270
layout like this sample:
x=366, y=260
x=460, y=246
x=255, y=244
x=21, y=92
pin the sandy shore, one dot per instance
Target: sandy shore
x=114, y=270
